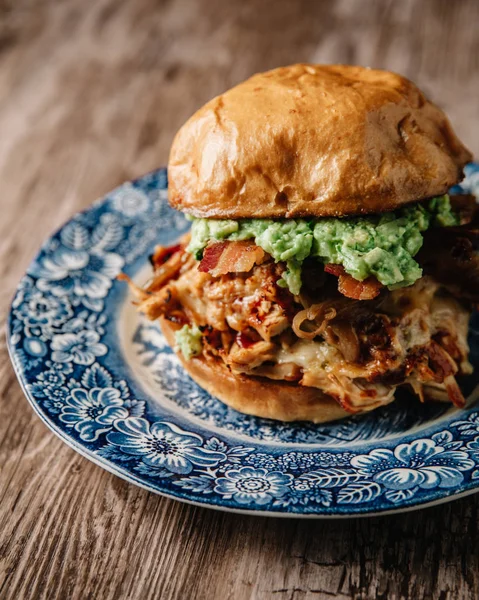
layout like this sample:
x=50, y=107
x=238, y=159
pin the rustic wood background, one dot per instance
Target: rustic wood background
x=91, y=93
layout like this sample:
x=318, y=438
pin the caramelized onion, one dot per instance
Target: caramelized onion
x=313, y=320
x=316, y=317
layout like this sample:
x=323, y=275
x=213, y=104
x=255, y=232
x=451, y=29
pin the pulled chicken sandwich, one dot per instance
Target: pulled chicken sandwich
x=326, y=264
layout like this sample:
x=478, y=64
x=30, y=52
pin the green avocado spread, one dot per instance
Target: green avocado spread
x=188, y=341
x=382, y=245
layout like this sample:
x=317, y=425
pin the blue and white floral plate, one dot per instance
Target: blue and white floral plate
x=105, y=381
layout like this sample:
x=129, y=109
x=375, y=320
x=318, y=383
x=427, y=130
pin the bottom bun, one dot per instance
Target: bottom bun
x=258, y=396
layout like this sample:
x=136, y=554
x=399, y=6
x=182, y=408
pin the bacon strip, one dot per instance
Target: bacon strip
x=230, y=257
x=352, y=288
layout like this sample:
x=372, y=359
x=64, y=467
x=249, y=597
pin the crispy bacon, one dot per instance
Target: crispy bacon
x=211, y=257
x=352, y=288
x=230, y=257
x=336, y=270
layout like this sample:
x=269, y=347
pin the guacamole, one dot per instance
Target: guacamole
x=188, y=340
x=379, y=245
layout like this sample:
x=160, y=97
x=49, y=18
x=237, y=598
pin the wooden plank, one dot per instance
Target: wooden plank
x=91, y=93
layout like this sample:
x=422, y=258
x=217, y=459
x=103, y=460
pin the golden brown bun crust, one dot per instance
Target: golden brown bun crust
x=256, y=395
x=312, y=140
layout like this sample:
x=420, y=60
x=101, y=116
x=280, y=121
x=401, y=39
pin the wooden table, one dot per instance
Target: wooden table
x=91, y=93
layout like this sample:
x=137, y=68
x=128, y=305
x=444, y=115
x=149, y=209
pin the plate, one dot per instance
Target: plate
x=104, y=380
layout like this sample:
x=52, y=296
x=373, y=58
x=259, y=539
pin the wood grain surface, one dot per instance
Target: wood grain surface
x=91, y=93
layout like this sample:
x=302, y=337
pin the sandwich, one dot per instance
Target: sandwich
x=327, y=265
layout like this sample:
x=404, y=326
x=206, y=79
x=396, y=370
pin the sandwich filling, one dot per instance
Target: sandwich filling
x=380, y=246
x=354, y=307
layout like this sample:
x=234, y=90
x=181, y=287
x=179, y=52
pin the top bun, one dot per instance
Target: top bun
x=313, y=140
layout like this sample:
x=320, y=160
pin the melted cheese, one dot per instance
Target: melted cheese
x=307, y=354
